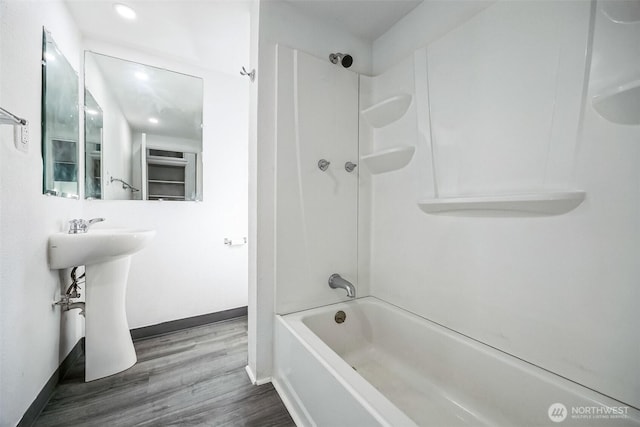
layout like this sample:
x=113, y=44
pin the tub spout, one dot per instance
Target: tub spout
x=337, y=282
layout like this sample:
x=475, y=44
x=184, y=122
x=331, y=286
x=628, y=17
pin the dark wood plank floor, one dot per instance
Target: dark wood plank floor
x=187, y=378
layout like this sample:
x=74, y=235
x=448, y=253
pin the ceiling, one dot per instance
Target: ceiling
x=367, y=19
x=212, y=34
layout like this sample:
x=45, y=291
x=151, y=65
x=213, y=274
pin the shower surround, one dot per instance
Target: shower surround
x=495, y=118
x=387, y=367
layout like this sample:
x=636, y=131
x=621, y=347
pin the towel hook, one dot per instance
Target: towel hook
x=251, y=74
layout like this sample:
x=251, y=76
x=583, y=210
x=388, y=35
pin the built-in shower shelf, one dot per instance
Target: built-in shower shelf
x=546, y=203
x=620, y=104
x=388, y=111
x=388, y=160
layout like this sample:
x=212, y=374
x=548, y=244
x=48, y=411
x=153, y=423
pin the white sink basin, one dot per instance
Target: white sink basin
x=96, y=246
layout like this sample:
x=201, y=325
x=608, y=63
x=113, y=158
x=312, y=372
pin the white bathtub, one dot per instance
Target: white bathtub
x=385, y=366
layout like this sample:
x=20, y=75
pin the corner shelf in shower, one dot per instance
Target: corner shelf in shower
x=389, y=160
x=620, y=104
x=544, y=203
x=388, y=111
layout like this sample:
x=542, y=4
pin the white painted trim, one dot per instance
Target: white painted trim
x=298, y=419
x=252, y=377
x=262, y=381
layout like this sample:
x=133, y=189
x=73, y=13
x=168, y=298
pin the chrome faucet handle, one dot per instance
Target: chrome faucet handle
x=75, y=226
x=78, y=226
x=94, y=220
x=87, y=224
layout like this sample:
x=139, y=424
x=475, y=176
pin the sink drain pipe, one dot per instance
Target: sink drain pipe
x=72, y=292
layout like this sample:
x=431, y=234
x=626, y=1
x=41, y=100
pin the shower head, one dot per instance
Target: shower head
x=345, y=60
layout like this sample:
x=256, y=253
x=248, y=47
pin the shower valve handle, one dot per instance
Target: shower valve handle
x=323, y=164
x=349, y=167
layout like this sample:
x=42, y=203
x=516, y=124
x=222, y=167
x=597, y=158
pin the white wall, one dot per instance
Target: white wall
x=504, y=98
x=138, y=169
x=255, y=331
x=34, y=337
x=427, y=22
x=279, y=23
x=316, y=211
x=558, y=291
x=187, y=270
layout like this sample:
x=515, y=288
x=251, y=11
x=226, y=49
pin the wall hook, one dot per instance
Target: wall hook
x=251, y=74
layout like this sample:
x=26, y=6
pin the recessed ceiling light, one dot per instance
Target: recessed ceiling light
x=92, y=112
x=153, y=120
x=125, y=11
x=141, y=75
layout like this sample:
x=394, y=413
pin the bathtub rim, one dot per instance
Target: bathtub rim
x=375, y=402
x=294, y=322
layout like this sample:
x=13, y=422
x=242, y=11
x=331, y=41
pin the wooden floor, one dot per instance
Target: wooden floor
x=193, y=377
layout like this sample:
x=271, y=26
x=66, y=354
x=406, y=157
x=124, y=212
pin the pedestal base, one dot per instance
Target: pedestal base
x=109, y=347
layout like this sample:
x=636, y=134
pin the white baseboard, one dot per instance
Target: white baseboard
x=297, y=413
x=253, y=379
x=292, y=407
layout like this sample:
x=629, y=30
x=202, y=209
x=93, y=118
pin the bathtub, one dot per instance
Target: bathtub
x=384, y=366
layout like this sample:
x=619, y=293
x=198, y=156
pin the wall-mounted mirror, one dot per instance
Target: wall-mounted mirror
x=60, y=122
x=143, y=128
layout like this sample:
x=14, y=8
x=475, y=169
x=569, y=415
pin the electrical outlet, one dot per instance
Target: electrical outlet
x=21, y=137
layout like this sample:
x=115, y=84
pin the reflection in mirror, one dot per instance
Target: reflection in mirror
x=143, y=131
x=93, y=147
x=60, y=122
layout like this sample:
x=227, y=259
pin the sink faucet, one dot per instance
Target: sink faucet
x=337, y=282
x=79, y=226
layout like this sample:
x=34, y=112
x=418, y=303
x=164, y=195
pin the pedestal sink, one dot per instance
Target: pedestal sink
x=106, y=255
